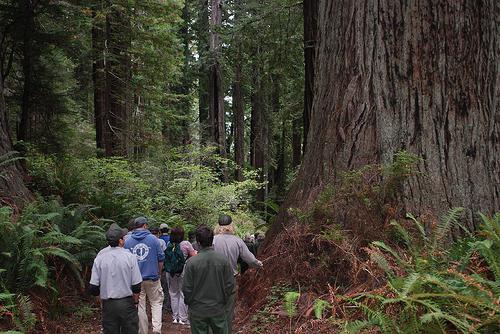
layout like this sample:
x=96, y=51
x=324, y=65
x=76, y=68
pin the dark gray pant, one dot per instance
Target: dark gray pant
x=119, y=316
x=209, y=325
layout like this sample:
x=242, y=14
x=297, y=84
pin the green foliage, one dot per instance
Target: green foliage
x=179, y=189
x=291, y=298
x=47, y=239
x=320, y=306
x=432, y=296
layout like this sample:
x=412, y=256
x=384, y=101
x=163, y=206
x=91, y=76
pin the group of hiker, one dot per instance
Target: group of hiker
x=199, y=274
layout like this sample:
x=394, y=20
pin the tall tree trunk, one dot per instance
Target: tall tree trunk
x=239, y=122
x=420, y=76
x=203, y=27
x=216, y=92
x=310, y=10
x=238, y=104
x=27, y=65
x=257, y=144
x=99, y=81
x=118, y=66
x=279, y=171
x=13, y=192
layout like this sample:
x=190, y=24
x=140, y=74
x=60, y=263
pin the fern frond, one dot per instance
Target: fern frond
x=444, y=226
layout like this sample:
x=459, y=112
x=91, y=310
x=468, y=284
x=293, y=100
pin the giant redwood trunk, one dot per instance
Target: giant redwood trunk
x=420, y=76
x=13, y=192
x=238, y=103
x=310, y=12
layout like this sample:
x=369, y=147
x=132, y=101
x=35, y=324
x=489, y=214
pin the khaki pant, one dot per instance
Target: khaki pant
x=154, y=293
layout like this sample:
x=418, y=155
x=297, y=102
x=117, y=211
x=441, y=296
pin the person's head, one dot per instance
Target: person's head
x=177, y=234
x=261, y=237
x=155, y=231
x=115, y=234
x=225, y=225
x=191, y=236
x=164, y=228
x=204, y=236
x=140, y=222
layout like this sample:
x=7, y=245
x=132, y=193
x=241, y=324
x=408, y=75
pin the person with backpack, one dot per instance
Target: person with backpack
x=178, y=250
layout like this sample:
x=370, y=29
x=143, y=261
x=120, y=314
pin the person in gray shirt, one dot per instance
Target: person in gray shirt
x=116, y=278
x=225, y=242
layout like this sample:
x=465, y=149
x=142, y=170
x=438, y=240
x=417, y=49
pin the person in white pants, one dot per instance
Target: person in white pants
x=179, y=309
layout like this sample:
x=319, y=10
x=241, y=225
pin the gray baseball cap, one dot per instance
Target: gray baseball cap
x=115, y=233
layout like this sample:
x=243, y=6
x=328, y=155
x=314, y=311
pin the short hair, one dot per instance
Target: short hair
x=154, y=230
x=114, y=243
x=177, y=235
x=204, y=236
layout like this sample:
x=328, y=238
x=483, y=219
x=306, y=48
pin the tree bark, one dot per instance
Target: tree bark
x=216, y=92
x=203, y=27
x=238, y=106
x=257, y=144
x=296, y=142
x=99, y=81
x=23, y=132
x=415, y=75
x=118, y=76
x=13, y=192
x=310, y=10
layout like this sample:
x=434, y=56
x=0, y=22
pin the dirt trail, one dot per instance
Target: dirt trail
x=93, y=326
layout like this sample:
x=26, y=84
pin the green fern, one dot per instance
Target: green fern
x=320, y=306
x=290, y=305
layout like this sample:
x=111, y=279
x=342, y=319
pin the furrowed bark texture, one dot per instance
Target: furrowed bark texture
x=421, y=76
x=13, y=192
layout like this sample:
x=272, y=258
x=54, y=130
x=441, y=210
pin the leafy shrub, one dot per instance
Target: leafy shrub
x=179, y=189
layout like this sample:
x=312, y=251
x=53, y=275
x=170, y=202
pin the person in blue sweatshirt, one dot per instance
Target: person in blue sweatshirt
x=150, y=257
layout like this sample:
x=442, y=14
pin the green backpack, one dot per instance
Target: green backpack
x=174, y=259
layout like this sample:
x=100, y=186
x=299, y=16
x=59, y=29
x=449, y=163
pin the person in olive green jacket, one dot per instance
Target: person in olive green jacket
x=208, y=286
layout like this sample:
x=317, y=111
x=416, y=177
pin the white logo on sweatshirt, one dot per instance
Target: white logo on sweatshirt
x=141, y=251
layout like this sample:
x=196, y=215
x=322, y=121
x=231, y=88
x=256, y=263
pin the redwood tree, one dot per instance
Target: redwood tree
x=420, y=76
x=12, y=189
x=215, y=89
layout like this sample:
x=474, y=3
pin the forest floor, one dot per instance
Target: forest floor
x=92, y=325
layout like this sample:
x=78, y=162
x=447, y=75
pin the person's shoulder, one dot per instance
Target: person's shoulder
x=103, y=251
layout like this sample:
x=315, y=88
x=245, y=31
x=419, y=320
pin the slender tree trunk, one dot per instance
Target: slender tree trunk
x=279, y=171
x=23, y=132
x=99, y=81
x=257, y=132
x=418, y=76
x=13, y=192
x=238, y=105
x=310, y=9
x=203, y=27
x=216, y=92
x=118, y=66
x=239, y=122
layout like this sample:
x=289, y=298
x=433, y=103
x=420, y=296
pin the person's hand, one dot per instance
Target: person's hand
x=260, y=264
